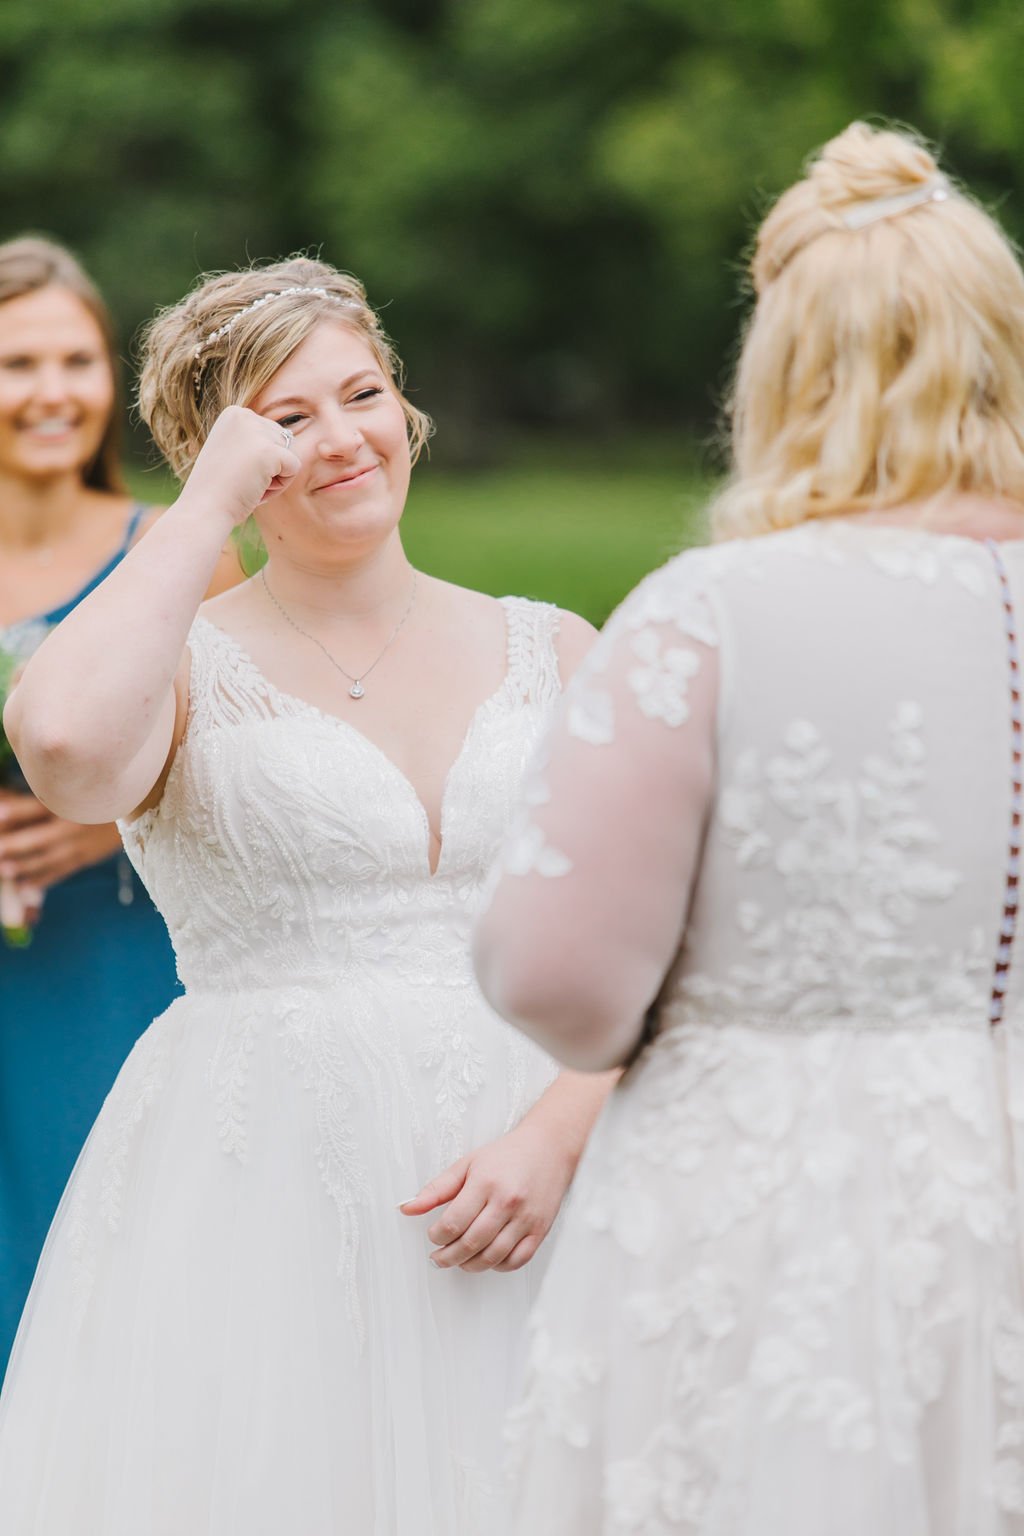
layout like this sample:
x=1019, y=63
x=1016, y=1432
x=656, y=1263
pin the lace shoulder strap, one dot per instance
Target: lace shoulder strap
x=225, y=685
x=532, y=651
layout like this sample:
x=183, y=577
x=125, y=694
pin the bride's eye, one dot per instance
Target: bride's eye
x=368, y=394
x=290, y=421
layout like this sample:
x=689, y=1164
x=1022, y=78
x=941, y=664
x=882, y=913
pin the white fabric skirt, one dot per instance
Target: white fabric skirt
x=233, y=1331
x=786, y=1298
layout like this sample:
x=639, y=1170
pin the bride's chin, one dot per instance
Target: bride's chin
x=351, y=536
x=339, y=527
x=362, y=531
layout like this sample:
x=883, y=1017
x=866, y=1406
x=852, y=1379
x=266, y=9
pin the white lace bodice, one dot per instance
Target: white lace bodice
x=799, y=747
x=287, y=847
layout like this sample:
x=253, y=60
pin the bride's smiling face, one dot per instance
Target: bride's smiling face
x=351, y=438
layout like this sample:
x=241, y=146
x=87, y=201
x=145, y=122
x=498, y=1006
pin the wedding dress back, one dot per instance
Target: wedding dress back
x=790, y=1296
x=862, y=833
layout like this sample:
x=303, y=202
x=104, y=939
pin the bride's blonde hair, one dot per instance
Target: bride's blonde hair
x=882, y=364
x=225, y=340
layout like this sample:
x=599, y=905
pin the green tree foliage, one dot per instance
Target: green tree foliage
x=551, y=198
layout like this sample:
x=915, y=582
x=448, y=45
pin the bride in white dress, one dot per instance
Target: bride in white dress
x=782, y=811
x=250, y=1317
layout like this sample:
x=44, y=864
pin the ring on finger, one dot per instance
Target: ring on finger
x=288, y=436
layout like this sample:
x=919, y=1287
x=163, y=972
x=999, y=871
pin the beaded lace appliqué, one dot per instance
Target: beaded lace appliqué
x=289, y=862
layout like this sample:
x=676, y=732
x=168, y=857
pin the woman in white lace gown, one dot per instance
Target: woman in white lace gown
x=234, y=1329
x=781, y=819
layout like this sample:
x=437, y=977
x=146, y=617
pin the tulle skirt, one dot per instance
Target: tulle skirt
x=233, y=1331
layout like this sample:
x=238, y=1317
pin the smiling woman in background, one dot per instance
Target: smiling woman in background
x=85, y=959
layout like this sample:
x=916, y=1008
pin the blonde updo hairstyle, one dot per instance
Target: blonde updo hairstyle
x=212, y=350
x=883, y=364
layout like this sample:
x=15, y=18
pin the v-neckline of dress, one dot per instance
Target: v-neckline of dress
x=307, y=707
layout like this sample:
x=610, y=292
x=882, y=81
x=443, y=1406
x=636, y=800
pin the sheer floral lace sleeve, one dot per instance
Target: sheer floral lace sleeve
x=590, y=900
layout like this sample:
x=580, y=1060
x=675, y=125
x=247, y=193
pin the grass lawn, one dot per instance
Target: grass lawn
x=579, y=538
x=576, y=529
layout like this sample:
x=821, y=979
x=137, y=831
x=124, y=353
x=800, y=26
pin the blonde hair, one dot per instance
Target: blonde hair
x=882, y=364
x=30, y=263
x=218, y=348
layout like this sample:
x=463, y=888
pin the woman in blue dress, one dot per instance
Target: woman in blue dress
x=85, y=961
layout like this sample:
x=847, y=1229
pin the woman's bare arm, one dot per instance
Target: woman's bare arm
x=92, y=720
x=591, y=906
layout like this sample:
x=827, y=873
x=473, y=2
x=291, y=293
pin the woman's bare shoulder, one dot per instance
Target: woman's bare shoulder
x=463, y=607
x=479, y=611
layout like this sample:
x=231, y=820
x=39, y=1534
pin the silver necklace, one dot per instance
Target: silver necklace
x=357, y=690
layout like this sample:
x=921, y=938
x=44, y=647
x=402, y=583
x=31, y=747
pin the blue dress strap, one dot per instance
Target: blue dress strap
x=132, y=527
x=138, y=512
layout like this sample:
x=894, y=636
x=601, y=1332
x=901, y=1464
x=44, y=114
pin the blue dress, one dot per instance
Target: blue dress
x=72, y=1004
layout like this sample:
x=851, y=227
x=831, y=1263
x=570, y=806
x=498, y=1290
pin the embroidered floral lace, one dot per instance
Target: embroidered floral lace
x=788, y=1296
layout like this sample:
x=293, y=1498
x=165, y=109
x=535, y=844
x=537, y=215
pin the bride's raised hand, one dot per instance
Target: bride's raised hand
x=502, y=1201
x=246, y=460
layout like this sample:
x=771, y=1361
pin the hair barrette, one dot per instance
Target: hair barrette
x=937, y=190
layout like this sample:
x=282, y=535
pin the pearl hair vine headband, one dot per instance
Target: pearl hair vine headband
x=936, y=190
x=266, y=298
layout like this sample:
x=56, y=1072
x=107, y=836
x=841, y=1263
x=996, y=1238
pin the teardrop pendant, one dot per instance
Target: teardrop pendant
x=357, y=690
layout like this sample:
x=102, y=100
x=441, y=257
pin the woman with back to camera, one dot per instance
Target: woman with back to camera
x=782, y=820
x=239, y=1325
x=85, y=960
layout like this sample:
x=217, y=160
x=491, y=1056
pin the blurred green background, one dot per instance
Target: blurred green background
x=549, y=199
x=577, y=525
